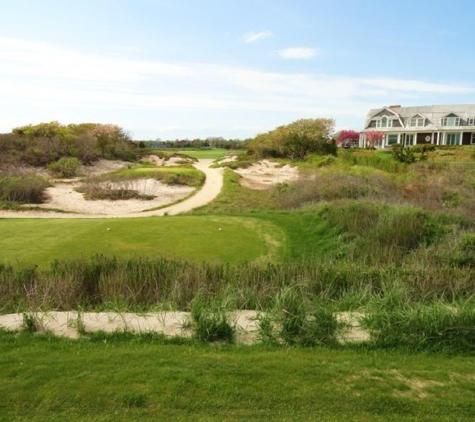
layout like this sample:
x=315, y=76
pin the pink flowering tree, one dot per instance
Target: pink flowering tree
x=347, y=138
x=374, y=137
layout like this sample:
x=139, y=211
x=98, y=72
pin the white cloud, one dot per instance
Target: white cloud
x=297, y=53
x=254, y=36
x=417, y=86
x=40, y=81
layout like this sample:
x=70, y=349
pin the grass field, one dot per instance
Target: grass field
x=213, y=153
x=191, y=237
x=132, y=378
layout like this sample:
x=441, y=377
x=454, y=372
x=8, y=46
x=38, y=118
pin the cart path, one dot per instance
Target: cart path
x=209, y=191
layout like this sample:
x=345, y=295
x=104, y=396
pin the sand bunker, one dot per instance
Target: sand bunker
x=265, y=174
x=63, y=196
x=167, y=162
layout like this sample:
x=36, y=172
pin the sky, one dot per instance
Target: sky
x=177, y=69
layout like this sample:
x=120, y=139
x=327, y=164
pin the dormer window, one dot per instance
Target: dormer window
x=471, y=121
x=451, y=121
x=417, y=121
x=384, y=122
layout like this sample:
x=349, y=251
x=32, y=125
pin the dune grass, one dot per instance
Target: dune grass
x=122, y=378
x=191, y=237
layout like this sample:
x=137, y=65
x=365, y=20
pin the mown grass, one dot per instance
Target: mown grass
x=196, y=153
x=123, y=378
x=240, y=239
x=234, y=198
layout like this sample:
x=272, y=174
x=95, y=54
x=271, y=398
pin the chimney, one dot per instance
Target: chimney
x=394, y=106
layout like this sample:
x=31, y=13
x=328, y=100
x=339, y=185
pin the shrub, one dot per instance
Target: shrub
x=65, y=167
x=403, y=155
x=23, y=188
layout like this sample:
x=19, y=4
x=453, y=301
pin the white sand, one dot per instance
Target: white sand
x=171, y=324
x=64, y=197
x=265, y=174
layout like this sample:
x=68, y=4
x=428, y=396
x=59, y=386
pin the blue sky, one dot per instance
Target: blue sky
x=198, y=68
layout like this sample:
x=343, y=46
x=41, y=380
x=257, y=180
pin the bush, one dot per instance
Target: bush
x=23, y=189
x=65, y=167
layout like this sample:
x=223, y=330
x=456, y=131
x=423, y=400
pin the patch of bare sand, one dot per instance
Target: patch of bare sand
x=167, y=162
x=64, y=196
x=265, y=174
x=209, y=191
x=73, y=324
x=171, y=324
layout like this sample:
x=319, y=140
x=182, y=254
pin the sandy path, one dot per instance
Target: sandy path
x=71, y=324
x=209, y=191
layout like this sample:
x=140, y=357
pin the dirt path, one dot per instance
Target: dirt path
x=210, y=189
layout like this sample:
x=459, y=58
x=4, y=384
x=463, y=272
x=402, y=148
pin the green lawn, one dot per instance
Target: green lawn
x=188, y=237
x=198, y=153
x=50, y=379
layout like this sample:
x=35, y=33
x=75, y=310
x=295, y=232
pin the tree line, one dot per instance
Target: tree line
x=45, y=143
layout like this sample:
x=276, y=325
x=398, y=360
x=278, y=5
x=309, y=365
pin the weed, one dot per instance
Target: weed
x=30, y=322
x=211, y=322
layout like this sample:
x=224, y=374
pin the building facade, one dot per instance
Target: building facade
x=437, y=124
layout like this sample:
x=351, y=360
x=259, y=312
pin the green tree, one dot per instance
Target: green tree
x=296, y=139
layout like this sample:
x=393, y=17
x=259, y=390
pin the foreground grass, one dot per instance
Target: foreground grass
x=191, y=237
x=107, y=379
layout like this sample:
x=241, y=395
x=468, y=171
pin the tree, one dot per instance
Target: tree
x=296, y=139
x=374, y=137
x=347, y=138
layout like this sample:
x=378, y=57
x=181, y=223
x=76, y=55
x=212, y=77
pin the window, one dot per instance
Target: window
x=384, y=122
x=393, y=139
x=472, y=141
x=417, y=122
x=452, y=139
x=471, y=121
x=409, y=139
x=451, y=121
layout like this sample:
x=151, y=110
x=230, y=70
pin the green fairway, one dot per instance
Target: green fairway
x=197, y=238
x=107, y=379
x=206, y=153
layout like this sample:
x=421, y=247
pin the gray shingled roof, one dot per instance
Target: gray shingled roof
x=434, y=113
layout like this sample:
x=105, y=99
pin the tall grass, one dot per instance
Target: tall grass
x=101, y=282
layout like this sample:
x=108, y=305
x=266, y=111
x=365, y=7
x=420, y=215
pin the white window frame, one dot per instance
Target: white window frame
x=413, y=138
x=447, y=121
x=472, y=140
x=471, y=121
x=389, y=122
x=392, y=134
x=417, y=122
x=456, y=134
